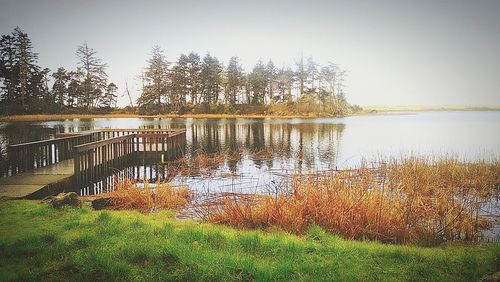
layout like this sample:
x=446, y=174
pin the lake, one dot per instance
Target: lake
x=268, y=148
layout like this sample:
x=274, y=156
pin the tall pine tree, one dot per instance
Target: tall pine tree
x=95, y=79
x=258, y=82
x=60, y=87
x=234, y=80
x=156, y=83
x=211, y=79
x=23, y=81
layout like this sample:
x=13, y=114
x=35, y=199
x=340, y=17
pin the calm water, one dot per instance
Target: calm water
x=255, y=154
x=265, y=148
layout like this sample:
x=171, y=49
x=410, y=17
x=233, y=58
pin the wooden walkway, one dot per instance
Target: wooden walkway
x=27, y=184
x=41, y=168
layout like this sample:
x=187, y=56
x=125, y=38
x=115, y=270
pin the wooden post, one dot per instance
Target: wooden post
x=76, y=166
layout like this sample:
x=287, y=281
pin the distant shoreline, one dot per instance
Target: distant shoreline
x=368, y=110
x=429, y=108
x=49, y=117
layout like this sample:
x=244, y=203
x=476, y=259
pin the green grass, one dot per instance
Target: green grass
x=40, y=243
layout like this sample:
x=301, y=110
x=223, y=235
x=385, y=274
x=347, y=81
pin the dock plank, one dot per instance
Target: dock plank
x=29, y=182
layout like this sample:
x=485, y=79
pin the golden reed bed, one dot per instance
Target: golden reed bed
x=412, y=200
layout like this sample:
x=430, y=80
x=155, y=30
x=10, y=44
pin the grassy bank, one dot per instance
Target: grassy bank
x=40, y=243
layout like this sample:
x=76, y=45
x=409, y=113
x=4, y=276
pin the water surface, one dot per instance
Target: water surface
x=256, y=152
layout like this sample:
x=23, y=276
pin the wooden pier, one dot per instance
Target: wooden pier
x=75, y=160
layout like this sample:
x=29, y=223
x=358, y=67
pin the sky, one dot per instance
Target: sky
x=425, y=52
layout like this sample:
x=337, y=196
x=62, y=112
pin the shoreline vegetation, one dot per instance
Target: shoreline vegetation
x=49, y=117
x=367, y=110
x=38, y=242
x=414, y=200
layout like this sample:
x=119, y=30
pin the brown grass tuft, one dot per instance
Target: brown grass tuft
x=411, y=200
x=128, y=196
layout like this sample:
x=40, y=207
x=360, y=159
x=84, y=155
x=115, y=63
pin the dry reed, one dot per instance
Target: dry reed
x=128, y=196
x=399, y=200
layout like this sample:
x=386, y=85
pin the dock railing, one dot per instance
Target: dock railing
x=94, y=160
x=37, y=154
x=42, y=153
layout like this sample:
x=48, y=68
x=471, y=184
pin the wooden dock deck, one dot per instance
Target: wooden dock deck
x=46, y=167
x=27, y=184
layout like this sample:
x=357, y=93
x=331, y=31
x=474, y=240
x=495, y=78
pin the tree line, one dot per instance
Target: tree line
x=191, y=84
x=24, y=85
x=195, y=84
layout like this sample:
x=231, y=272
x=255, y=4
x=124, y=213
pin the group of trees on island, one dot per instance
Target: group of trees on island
x=190, y=85
x=205, y=85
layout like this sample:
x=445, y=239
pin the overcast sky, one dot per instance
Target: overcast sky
x=396, y=52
